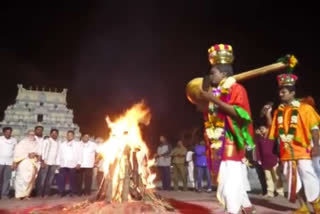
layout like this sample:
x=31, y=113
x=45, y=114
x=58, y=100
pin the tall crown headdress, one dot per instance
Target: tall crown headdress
x=220, y=54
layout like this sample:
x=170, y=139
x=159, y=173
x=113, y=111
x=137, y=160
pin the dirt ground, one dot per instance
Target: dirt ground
x=184, y=202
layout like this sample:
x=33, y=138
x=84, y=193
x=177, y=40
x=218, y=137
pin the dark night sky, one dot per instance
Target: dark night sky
x=111, y=54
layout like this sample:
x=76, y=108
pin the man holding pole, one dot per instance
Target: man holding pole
x=228, y=131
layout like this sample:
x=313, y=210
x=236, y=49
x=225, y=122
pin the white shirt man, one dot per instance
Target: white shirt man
x=6, y=150
x=89, y=154
x=89, y=151
x=41, y=146
x=51, y=151
x=164, y=162
x=39, y=139
x=38, y=130
x=70, y=154
x=163, y=152
x=7, y=145
x=50, y=163
x=69, y=160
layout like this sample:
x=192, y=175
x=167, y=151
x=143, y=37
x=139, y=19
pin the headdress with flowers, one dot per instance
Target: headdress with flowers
x=288, y=79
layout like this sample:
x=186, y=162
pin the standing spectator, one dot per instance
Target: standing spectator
x=89, y=152
x=255, y=172
x=190, y=165
x=7, y=145
x=178, y=155
x=69, y=159
x=38, y=131
x=26, y=160
x=99, y=161
x=268, y=162
x=164, y=162
x=202, y=166
x=50, y=163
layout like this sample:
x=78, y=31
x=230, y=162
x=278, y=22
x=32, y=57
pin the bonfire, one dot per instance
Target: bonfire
x=127, y=168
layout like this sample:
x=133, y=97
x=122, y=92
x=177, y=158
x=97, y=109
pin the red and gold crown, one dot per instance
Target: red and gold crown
x=220, y=54
x=287, y=80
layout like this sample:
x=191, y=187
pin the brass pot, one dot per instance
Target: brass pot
x=193, y=89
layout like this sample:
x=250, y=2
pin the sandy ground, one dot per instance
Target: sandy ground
x=184, y=202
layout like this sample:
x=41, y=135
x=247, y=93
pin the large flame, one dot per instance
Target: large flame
x=126, y=141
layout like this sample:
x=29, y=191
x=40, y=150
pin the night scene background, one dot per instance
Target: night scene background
x=112, y=54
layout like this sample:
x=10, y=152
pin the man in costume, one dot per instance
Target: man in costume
x=295, y=124
x=228, y=131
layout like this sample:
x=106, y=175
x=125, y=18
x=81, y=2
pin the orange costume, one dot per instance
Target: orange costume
x=300, y=147
x=292, y=125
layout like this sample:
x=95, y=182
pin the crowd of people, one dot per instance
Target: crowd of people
x=39, y=162
x=34, y=164
x=185, y=163
x=285, y=145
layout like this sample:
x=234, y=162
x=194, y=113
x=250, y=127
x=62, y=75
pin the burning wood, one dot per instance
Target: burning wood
x=127, y=168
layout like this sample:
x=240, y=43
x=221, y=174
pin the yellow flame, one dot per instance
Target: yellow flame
x=126, y=136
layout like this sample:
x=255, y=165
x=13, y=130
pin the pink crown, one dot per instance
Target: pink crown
x=287, y=79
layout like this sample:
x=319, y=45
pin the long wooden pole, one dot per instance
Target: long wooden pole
x=259, y=71
x=195, y=85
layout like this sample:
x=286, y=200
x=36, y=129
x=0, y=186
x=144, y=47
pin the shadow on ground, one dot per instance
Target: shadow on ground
x=188, y=208
x=266, y=203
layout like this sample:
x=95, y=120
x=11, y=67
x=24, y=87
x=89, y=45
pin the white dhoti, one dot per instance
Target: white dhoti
x=305, y=175
x=191, y=174
x=233, y=185
x=25, y=178
x=189, y=160
x=316, y=165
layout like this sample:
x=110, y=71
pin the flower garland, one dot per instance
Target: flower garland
x=288, y=138
x=215, y=125
x=290, y=60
